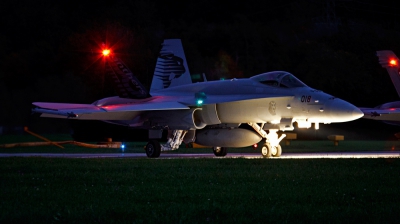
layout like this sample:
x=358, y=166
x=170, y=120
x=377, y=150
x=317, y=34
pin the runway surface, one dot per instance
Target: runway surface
x=315, y=155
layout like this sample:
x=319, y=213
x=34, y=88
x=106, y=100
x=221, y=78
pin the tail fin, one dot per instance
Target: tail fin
x=389, y=61
x=171, y=68
x=125, y=83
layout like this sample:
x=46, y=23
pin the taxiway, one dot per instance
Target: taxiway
x=315, y=155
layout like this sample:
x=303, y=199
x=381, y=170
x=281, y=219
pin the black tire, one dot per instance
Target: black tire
x=220, y=151
x=266, y=150
x=153, y=149
x=277, y=152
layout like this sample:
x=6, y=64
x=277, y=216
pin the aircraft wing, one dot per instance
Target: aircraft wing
x=128, y=111
x=109, y=112
x=389, y=114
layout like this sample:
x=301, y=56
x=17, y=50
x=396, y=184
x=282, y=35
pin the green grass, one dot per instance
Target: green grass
x=55, y=190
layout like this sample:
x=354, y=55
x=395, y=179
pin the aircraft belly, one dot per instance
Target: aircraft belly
x=179, y=119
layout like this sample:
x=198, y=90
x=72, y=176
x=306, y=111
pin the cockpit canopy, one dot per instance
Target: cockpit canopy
x=279, y=79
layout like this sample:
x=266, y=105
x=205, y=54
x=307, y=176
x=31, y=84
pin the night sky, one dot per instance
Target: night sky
x=50, y=48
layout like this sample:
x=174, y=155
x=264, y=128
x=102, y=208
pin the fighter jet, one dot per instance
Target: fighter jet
x=387, y=112
x=208, y=113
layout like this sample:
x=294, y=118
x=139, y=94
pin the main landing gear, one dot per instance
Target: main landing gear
x=154, y=148
x=220, y=151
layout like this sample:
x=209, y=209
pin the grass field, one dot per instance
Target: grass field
x=51, y=190
x=56, y=190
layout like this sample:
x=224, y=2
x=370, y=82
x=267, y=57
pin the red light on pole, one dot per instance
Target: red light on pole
x=393, y=62
x=106, y=52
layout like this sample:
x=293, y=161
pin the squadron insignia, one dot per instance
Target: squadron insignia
x=272, y=108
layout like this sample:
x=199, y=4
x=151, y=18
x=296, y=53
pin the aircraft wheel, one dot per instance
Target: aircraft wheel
x=276, y=151
x=153, y=149
x=220, y=151
x=266, y=151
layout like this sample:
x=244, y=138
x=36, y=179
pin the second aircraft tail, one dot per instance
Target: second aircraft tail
x=390, y=61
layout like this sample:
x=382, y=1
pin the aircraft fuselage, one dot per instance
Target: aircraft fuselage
x=260, y=103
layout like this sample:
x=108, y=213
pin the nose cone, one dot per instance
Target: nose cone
x=342, y=111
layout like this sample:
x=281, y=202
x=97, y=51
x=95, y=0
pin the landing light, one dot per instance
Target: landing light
x=316, y=126
x=303, y=124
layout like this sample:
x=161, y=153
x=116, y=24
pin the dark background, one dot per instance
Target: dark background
x=50, y=50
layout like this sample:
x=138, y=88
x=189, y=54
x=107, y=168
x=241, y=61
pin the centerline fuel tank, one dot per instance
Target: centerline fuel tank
x=226, y=137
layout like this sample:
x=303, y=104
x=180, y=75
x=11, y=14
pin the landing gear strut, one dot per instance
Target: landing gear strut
x=174, y=141
x=271, y=146
x=154, y=148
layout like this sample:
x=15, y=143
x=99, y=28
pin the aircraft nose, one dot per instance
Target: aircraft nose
x=342, y=111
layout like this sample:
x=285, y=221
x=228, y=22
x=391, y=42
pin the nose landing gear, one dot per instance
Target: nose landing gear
x=271, y=147
x=271, y=151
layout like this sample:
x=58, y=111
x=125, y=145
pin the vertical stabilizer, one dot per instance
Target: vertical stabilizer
x=389, y=61
x=171, y=67
x=125, y=83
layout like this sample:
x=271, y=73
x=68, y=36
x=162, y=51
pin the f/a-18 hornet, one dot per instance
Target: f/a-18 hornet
x=209, y=113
